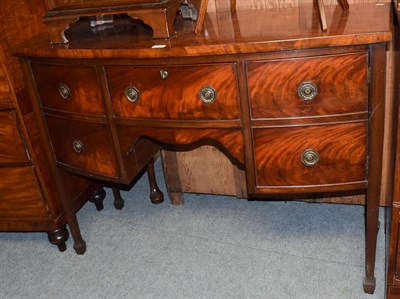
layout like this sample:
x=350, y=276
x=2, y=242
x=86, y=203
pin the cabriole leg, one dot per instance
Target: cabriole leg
x=156, y=196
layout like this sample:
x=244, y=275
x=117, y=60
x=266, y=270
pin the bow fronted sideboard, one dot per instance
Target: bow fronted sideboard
x=300, y=110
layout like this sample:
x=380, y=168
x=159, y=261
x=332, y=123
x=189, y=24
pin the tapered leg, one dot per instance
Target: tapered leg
x=59, y=237
x=118, y=200
x=371, y=239
x=375, y=145
x=98, y=197
x=156, y=196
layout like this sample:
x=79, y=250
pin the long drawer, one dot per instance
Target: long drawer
x=187, y=92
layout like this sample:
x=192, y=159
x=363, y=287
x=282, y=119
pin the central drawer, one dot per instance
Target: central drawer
x=190, y=92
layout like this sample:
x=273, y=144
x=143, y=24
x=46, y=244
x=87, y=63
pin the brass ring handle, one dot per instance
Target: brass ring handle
x=132, y=94
x=164, y=74
x=310, y=157
x=208, y=94
x=64, y=91
x=307, y=91
x=77, y=145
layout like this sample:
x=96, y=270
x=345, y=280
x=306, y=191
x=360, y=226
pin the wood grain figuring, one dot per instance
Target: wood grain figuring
x=20, y=194
x=4, y=88
x=86, y=94
x=341, y=83
x=96, y=141
x=23, y=19
x=244, y=32
x=12, y=148
x=41, y=163
x=341, y=150
x=177, y=96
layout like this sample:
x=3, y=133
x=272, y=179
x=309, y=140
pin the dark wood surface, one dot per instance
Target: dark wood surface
x=12, y=147
x=243, y=57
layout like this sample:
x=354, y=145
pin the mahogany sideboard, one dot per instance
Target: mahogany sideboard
x=301, y=111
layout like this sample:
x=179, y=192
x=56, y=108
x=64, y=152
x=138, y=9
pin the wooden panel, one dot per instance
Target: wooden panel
x=341, y=83
x=97, y=145
x=177, y=96
x=278, y=154
x=12, y=148
x=212, y=173
x=85, y=92
x=20, y=194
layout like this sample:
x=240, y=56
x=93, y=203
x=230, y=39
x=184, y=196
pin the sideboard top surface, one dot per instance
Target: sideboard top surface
x=251, y=31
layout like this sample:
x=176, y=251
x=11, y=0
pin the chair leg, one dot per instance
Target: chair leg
x=118, y=200
x=156, y=196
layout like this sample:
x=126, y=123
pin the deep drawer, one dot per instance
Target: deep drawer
x=82, y=145
x=174, y=92
x=310, y=155
x=308, y=86
x=12, y=148
x=69, y=88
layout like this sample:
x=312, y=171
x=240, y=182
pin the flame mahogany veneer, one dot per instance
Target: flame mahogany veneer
x=300, y=110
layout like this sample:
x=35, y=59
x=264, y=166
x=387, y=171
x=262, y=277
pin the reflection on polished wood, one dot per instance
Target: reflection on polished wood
x=244, y=32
